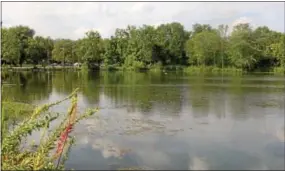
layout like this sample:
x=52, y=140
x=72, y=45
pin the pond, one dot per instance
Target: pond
x=165, y=120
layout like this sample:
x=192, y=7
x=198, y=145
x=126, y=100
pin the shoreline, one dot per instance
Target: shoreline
x=185, y=69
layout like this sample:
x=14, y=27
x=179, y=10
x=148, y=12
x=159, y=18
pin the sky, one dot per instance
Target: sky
x=72, y=19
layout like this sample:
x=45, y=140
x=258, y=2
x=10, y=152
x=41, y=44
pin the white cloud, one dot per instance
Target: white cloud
x=242, y=20
x=80, y=31
x=72, y=19
x=198, y=164
x=107, y=148
x=155, y=160
x=280, y=134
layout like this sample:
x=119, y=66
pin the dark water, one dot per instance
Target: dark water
x=166, y=121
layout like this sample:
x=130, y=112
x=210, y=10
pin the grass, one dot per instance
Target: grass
x=212, y=69
x=159, y=67
x=54, y=146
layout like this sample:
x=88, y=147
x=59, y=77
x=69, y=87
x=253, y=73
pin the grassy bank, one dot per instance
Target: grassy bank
x=52, y=150
x=214, y=70
x=41, y=68
x=155, y=67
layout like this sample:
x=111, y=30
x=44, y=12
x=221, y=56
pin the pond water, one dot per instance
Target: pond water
x=165, y=120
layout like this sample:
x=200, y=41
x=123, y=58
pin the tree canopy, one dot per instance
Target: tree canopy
x=167, y=44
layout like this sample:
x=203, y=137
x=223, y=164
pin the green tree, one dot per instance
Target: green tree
x=139, y=47
x=171, y=38
x=241, y=51
x=91, y=48
x=111, y=55
x=35, y=51
x=223, y=33
x=10, y=47
x=147, y=40
x=23, y=34
x=198, y=28
x=63, y=51
x=203, y=48
x=122, y=37
x=278, y=50
x=15, y=42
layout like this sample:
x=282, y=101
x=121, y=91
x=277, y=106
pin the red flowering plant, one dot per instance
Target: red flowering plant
x=40, y=158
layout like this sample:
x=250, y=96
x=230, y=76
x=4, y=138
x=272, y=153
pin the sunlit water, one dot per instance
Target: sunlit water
x=166, y=120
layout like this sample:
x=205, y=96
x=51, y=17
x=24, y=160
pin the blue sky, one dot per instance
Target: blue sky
x=73, y=19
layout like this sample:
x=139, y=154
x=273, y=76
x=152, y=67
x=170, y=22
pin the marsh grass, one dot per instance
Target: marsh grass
x=40, y=156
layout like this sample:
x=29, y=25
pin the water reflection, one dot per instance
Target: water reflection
x=198, y=164
x=173, y=121
x=26, y=86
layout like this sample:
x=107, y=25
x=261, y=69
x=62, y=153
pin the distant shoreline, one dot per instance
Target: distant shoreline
x=30, y=68
x=189, y=69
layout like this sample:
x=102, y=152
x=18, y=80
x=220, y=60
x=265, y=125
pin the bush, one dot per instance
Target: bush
x=156, y=67
x=279, y=70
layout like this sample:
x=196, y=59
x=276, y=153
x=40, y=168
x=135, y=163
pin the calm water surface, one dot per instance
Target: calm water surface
x=165, y=120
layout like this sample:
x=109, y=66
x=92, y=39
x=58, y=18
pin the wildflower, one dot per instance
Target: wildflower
x=64, y=135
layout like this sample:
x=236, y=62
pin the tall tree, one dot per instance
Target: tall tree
x=242, y=53
x=63, y=51
x=111, y=55
x=278, y=50
x=35, y=51
x=15, y=43
x=171, y=37
x=10, y=47
x=203, y=48
x=23, y=34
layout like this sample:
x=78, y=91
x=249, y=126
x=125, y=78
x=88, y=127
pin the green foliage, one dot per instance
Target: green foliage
x=84, y=67
x=156, y=67
x=278, y=50
x=164, y=46
x=10, y=46
x=212, y=69
x=171, y=37
x=111, y=55
x=92, y=47
x=279, y=70
x=35, y=51
x=242, y=53
x=63, y=51
x=203, y=48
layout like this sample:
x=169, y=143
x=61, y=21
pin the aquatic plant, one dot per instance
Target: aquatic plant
x=40, y=156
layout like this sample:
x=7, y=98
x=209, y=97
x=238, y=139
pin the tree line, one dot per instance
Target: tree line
x=141, y=47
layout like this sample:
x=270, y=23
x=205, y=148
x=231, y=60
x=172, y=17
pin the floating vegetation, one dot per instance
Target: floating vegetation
x=132, y=124
x=267, y=104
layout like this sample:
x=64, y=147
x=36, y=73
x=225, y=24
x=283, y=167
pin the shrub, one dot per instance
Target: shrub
x=42, y=157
